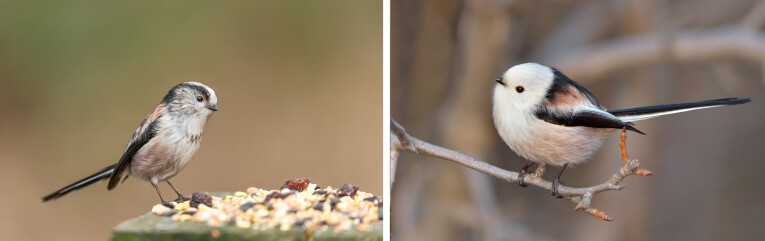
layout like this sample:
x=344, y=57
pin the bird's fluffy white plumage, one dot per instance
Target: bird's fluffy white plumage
x=546, y=117
x=530, y=137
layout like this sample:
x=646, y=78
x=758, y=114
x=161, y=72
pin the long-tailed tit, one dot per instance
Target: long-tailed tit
x=164, y=142
x=548, y=118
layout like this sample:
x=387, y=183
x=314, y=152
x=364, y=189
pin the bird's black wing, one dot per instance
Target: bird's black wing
x=145, y=132
x=587, y=118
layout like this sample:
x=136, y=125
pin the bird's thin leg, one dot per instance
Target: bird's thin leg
x=626, y=158
x=181, y=198
x=524, y=171
x=167, y=204
x=623, y=145
x=556, y=182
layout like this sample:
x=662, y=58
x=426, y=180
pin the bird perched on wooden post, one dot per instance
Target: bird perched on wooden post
x=164, y=143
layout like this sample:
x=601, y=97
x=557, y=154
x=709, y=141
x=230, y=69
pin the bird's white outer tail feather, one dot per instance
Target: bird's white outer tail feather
x=633, y=118
x=647, y=112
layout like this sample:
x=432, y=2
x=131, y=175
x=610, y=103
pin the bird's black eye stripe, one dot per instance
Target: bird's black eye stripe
x=520, y=89
x=200, y=98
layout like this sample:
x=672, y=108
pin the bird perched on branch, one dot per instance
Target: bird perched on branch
x=164, y=142
x=548, y=118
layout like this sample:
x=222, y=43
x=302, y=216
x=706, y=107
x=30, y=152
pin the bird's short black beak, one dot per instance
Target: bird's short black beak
x=500, y=80
x=213, y=107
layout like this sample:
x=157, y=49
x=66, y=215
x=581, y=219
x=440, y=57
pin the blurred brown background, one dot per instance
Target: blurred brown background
x=708, y=164
x=299, y=86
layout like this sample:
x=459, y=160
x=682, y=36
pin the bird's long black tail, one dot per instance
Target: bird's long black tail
x=98, y=176
x=642, y=113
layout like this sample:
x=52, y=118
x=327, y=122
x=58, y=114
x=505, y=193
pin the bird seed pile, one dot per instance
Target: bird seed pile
x=299, y=203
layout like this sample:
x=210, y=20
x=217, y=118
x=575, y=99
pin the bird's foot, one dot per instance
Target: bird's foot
x=555, y=185
x=521, y=176
x=181, y=199
x=168, y=204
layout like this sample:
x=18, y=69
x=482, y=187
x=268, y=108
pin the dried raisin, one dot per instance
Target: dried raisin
x=200, y=198
x=347, y=190
x=297, y=184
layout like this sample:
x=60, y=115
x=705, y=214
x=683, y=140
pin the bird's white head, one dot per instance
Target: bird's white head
x=523, y=87
x=192, y=99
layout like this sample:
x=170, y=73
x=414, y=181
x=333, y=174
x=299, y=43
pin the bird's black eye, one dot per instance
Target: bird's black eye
x=520, y=89
x=200, y=98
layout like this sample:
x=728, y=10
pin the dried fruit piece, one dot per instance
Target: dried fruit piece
x=252, y=190
x=287, y=194
x=241, y=223
x=181, y=206
x=285, y=208
x=319, y=206
x=299, y=222
x=297, y=184
x=203, y=207
x=272, y=195
x=347, y=190
x=246, y=206
x=200, y=198
x=160, y=209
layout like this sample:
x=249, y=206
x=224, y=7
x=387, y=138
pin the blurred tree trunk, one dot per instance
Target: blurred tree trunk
x=482, y=37
x=425, y=49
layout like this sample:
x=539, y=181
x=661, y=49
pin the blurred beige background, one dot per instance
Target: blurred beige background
x=630, y=53
x=299, y=86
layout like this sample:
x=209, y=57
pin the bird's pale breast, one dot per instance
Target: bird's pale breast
x=166, y=154
x=539, y=141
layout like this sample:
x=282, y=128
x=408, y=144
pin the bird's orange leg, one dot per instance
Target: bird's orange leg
x=626, y=158
x=623, y=145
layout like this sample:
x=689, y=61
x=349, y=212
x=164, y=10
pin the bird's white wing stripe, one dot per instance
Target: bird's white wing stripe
x=634, y=118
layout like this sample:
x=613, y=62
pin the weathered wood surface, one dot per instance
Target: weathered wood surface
x=153, y=227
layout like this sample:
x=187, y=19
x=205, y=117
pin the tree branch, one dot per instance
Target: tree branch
x=591, y=62
x=582, y=197
x=404, y=140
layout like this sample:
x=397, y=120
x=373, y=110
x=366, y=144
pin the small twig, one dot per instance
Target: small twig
x=582, y=197
x=403, y=138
